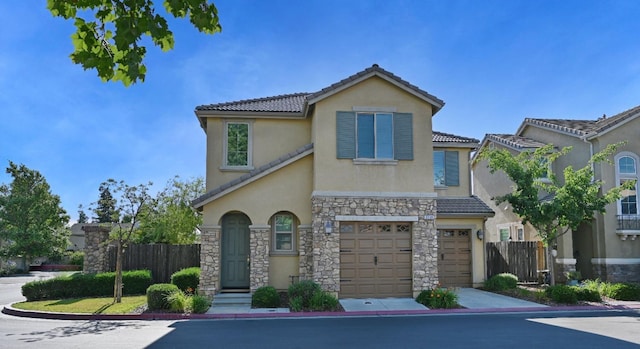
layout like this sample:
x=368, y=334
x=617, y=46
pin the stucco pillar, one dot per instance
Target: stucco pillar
x=259, y=237
x=210, y=260
x=96, y=246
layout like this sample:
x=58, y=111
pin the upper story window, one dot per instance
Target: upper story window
x=627, y=170
x=237, y=145
x=446, y=170
x=371, y=135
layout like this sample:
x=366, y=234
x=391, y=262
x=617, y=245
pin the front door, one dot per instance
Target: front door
x=235, y=252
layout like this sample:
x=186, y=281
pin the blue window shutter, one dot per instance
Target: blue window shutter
x=403, y=136
x=346, y=135
x=452, y=172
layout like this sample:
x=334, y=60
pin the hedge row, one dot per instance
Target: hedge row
x=80, y=285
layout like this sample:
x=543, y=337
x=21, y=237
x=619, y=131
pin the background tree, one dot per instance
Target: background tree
x=170, y=219
x=109, y=33
x=105, y=209
x=131, y=201
x=82, y=217
x=32, y=221
x=565, y=205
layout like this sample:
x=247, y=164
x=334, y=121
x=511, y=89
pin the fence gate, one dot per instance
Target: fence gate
x=162, y=259
x=516, y=257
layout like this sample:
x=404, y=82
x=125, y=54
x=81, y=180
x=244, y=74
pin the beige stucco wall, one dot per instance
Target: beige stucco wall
x=341, y=174
x=271, y=139
x=477, y=245
x=269, y=195
x=281, y=268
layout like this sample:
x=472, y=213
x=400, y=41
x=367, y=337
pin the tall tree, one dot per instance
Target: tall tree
x=82, y=217
x=170, y=219
x=565, y=205
x=131, y=201
x=109, y=33
x=105, y=209
x=32, y=221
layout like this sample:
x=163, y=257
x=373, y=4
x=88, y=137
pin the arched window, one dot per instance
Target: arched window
x=627, y=170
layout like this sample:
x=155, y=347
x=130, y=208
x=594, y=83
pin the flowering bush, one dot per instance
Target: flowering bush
x=438, y=298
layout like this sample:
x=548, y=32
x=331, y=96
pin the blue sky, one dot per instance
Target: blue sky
x=492, y=62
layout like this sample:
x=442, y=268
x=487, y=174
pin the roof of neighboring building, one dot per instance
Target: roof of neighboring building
x=514, y=141
x=297, y=102
x=471, y=205
x=441, y=137
x=583, y=128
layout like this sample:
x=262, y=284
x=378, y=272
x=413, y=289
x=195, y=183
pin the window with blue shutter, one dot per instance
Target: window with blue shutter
x=381, y=136
x=446, y=170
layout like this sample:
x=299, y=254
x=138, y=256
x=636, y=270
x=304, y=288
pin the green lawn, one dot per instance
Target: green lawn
x=86, y=305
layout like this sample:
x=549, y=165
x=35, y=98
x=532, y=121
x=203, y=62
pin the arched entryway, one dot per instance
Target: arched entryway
x=235, y=252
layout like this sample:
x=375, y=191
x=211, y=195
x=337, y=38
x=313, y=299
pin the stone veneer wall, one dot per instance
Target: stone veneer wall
x=95, y=248
x=617, y=272
x=210, y=260
x=305, y=250
x=326, y=247
x=259, y=237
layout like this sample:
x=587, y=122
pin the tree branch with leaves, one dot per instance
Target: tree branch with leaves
x=109, y=33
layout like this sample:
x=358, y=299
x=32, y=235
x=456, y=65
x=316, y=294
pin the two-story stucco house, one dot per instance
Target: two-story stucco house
x=605, y=248
x=347, y=186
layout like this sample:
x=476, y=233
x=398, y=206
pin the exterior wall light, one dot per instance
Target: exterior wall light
x=328, y=227
x=480, y=234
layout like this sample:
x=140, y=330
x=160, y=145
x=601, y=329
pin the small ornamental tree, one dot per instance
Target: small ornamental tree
x=565, y=205
x=131, y=201
x=110, y=34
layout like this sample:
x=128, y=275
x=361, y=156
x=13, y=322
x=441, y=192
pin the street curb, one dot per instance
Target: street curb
x=8, y=310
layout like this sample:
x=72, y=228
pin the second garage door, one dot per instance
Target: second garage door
x=375, y=260
x=454, y=258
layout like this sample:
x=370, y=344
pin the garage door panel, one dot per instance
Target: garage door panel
x=454, y=258
x=378, y=263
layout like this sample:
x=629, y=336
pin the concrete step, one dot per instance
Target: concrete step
x=232, y=300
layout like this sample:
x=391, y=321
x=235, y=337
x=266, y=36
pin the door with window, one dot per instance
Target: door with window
x=235, y=252
x=454, y=257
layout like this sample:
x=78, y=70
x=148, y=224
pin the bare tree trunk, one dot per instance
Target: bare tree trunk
x=551, y=261
x=117, y=288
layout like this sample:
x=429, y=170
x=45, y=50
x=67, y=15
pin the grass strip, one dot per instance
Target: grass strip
x=102, y=305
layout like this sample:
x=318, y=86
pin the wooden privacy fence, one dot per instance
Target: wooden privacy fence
x=521, y=258
x=162, y=259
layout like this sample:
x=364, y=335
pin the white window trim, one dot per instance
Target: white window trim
x=620, y=177
x=294, y=236
x=249, y=165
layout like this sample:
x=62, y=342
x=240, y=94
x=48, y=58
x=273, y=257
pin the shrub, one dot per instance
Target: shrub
x=305, y=290
x=438, y=298
x=199, y=304
x=562, y=294
x=80, y=285
x=76, y=258
x=158, y=296
x=295, y=304
x=265, y=297
x=623, y=291
x=501, y=282
x=323, y=301
x=586, y=294
x=187, y=279
x=177, y=301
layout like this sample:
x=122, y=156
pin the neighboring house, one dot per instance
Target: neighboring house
x=605, y=248
x=347, y=186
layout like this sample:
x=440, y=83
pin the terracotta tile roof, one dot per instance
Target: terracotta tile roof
x=296, y=102
x=291, y=103
x=442, y=137
x=471, y=205
x=199, y=202
x=514, y=141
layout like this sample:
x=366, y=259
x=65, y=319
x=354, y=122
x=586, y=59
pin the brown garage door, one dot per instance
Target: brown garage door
x=454, y=258
x=375, y=260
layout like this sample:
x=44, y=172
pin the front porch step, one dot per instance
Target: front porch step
x=232, y=300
